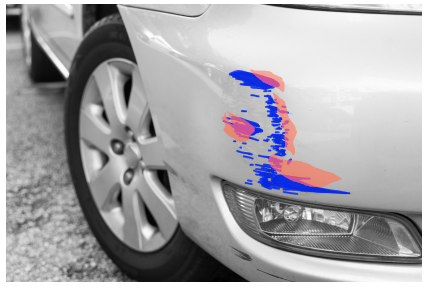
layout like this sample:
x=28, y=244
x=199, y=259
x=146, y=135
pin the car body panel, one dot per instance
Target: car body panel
x=359, y=72
x=339, y=80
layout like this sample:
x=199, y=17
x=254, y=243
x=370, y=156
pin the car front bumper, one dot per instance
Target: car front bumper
x=353, y=90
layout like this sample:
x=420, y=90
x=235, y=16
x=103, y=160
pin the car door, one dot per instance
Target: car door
x=60, y=26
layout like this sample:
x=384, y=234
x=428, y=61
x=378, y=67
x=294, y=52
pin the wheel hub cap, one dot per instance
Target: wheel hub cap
x=132, y=154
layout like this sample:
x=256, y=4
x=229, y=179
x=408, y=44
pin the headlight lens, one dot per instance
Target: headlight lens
x=316, y=230
x=366, y=8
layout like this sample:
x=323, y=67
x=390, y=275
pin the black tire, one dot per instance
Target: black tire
x=180, y=259
x=40, y=67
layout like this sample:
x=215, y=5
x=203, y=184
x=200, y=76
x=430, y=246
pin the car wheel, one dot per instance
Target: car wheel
x=116, y=167
x=40, y=67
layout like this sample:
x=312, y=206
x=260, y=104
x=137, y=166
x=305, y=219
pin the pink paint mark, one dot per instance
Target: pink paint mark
x=287, y=124
x=237, y=128
x=303, y=173
x=270, y=79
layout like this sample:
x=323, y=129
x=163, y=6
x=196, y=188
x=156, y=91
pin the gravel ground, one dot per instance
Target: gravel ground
x=47, y=238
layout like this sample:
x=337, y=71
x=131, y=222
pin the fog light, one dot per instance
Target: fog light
x=292, y=213
x=321, y=231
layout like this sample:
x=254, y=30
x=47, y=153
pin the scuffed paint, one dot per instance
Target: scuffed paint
x=237, y=127
x=251, y=80
x=287, y=124
x=301, y=172
x=270, y=79
x=273, y=171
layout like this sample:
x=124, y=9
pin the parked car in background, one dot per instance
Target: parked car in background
x=283, y=141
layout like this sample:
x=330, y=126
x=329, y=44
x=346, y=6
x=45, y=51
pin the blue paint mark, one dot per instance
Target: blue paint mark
x=249, y=180
x=293, y=193
x=248, y=183
x=269, y=150
x=247, y=153
x=252, y=138
x=249, y=79
x=244, y=111
x=272, y=180
x=240, y=147
x=248, y=157
x=257, y=127
x=254, y=95
x=244, y=143
x=277, y=138
x=251, y=164
x=234, y=141
x=263, y=156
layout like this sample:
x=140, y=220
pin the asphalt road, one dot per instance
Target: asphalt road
x=47, y=238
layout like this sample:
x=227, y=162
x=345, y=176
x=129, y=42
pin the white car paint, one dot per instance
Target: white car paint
x=375, y=87
x=367, y=65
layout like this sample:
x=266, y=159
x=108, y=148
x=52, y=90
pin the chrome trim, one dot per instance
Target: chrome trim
x=56, y=61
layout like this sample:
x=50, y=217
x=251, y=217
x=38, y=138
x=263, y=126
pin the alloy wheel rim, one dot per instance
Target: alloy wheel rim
x=122, y=157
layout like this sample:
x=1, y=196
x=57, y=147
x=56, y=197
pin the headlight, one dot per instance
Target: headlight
x=410, y=9
x=320, y=231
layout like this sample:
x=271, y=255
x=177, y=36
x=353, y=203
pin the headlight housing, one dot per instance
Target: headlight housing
x=405, y=9
x=326, y=232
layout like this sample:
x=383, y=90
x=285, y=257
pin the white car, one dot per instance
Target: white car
x=284, y=141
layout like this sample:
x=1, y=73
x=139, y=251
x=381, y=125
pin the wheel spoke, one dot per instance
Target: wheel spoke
x=94, y=131
x=110, y=82
x=105, y=182
x=133, y=212
x=158, y=201
x=151, y=153
x=153, y=242
x=138, y=115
